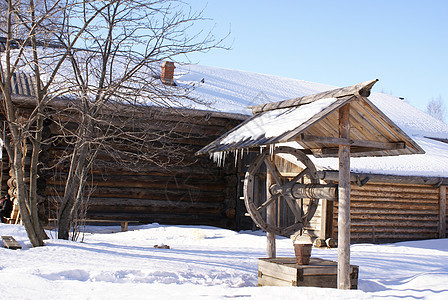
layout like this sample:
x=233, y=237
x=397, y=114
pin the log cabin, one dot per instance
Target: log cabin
x=393, y=198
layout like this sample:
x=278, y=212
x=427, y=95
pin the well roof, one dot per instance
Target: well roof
x=312, y=122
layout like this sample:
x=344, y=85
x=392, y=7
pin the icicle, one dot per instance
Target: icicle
x=223, y=161
x=271, y=150
x=236, y=156
x=218, y=158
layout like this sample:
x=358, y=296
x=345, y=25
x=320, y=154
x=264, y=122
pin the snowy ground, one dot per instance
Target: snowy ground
x=203, y=263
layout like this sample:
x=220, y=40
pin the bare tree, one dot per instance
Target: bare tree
x=28, y=26
x=19, y=131
x=436, y=108
x=125, y=41
x=116, y=76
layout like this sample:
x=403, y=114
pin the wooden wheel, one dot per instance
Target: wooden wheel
x=280, y=193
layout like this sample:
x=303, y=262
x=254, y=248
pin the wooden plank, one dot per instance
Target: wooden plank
x=266, y=280
x=442, y=212
x=378, y=178
x=363, y=88
x=10, y=242
x=350, y=142
x=371, y=127
x=284, y=271
x=344, y=201
x=124, y=226
x=278, y=269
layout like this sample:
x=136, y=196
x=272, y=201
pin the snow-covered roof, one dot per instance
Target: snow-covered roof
x=235, y=91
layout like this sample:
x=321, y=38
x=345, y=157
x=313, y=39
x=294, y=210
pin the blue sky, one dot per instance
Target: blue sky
x=402, y=43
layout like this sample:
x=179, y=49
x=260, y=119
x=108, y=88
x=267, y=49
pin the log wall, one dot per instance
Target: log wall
x=385, y=212
x=195, y=192
x=443, y=207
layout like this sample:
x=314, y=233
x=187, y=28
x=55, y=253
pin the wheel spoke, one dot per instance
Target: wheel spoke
x=258, y=207
x=300, y=175
x=267, y=202
x=293, y=208
x=274, y=172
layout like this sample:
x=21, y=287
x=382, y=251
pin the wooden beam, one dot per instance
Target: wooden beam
x=344, y=201
x=334, y=151
x=270, y=218
x=323, y=219
x=357, y=178
x=349, y=142
x=442, y=212
x=362, y=89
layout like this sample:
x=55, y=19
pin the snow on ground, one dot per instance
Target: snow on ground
x=203, y=263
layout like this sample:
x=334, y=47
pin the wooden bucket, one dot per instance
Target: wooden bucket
x=303, y=253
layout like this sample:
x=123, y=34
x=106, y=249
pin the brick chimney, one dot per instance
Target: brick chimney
x=167, y=75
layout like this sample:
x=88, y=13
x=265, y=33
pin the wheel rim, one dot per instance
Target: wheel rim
x=302, y=212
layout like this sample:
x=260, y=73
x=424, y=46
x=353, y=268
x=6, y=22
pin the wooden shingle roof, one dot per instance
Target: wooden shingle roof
x=312, y=122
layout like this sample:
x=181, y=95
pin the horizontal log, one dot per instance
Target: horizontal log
x=142, y=193
x=392, y=217
x=298, y=190
x=365, y=195
x=392, y=205
x=201, y=172
x=378, y=178
x=395, y=237
x=181, y=129
x=392, y=223
x=425, y=213
x=150, y=209
x=123, y=202
x=398, y=230
x=193, y=116
x=154, y=185
x=163, y=158
x=179, y=179
x=177, y=219
x=398, y=188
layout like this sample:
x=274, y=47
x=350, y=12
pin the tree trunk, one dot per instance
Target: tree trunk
x=73, y=190
x=27, y=208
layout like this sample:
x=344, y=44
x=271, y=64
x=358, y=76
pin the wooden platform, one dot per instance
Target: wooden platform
x=283, y=271
x=10, y=242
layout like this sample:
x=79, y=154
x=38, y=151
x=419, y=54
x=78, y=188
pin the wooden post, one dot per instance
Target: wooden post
x=344, y=201
x=270, y=218
x=442, y=212
x=323, y=220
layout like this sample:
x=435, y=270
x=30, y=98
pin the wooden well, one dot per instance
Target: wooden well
x=283, y=271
